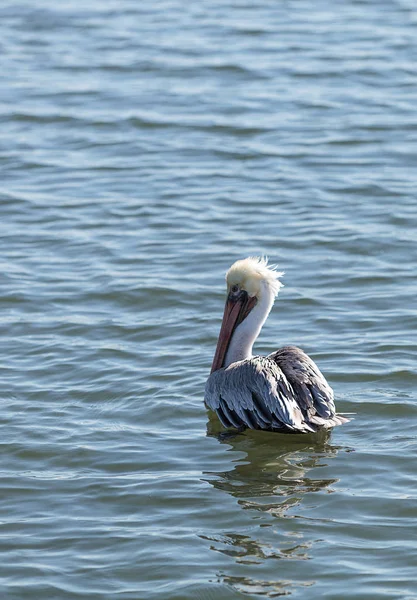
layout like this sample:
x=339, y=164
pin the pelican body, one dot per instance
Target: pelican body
x=284, y=391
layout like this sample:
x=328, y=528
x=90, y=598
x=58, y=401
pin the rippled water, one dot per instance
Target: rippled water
x=145, y=146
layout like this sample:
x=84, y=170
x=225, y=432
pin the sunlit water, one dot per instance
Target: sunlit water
x=145, y=146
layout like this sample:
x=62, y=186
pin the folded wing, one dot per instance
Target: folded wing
x=314, y=395
x=284, y=391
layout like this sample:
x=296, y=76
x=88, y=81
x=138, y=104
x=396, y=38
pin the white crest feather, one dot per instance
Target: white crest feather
x=250, y=271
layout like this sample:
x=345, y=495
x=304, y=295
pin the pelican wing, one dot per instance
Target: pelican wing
x=313, y=393
x=255, y=393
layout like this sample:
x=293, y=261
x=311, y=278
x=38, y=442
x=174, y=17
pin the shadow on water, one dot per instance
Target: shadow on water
x=271, y=479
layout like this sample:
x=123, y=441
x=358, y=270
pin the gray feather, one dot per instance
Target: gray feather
x=284, y=391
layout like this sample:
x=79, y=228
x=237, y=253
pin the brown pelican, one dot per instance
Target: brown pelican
x=284, y=391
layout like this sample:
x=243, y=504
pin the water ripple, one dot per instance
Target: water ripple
x=144, y=148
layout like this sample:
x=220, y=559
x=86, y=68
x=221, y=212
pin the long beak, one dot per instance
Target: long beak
x=236, y=310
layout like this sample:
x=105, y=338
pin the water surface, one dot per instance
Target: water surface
x=144, y=148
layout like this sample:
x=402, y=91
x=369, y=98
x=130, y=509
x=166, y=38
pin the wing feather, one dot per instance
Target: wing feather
x=284, y=391
x=230, y=415
x=314, y=395
x=255, y=393
x=263, y=413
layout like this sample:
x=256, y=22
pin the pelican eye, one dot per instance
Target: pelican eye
x=234, y=289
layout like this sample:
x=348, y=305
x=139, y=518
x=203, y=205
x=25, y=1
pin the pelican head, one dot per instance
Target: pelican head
x=251, y=283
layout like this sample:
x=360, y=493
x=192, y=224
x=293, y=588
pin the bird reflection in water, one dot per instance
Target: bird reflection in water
x=272, y=480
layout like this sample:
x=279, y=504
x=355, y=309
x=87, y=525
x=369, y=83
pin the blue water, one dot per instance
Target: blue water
x=145, y=147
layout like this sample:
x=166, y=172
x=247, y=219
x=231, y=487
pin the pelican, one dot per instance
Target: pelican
x=284, y=391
